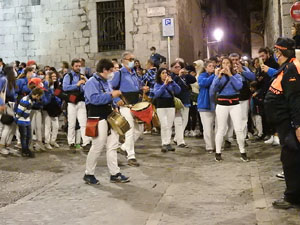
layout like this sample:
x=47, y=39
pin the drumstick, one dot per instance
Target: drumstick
x=144, y=92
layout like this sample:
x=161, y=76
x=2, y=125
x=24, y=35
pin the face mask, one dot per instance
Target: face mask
x=1, y=68
x=34, y=75
x=131, y=65
x=110, y=76
x=42, y=77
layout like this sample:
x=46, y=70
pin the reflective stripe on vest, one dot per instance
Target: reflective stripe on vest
x=276, y=86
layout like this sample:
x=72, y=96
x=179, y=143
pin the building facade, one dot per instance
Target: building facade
x=59, y=30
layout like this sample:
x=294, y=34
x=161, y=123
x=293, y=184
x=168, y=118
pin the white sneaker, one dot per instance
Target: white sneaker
x=276, y=141
x=4, y=151
x=18, y=145
x=55, y=145
x=39, y=146
x=270, y=141
x=48, y=146
x=13, y=151
x=147, y=132
x=193, y=133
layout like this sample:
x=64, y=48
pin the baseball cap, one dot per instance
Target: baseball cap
x=37, y=82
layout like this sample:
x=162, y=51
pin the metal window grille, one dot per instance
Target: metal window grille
x=111, y=25
x=35, y=2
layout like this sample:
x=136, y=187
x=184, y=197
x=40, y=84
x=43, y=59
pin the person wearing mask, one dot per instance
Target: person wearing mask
x=245, y=94
x=164, y=90
x=73, y=83
x=128, y=82
x=180, y=76
x=206, y=106
x=99, y=99
x=282, y=105
x=227, y=85
x=267, y=71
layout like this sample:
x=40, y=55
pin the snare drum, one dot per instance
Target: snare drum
x=142, y=111
x=118, y=123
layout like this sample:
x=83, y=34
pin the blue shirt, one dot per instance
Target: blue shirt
x=247, y=74
x=205, y=101
x=73, y=86
x=232, y=87
x=93, y=91
x=22, y=86
x=162, y=90
x=129, y=81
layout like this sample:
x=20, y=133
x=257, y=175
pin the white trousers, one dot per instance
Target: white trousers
x=37, y=124
x=222, y=114
x=208, y=122
x=133, y=134
x=8, y=131
x=166, y=118
x=51, y=128
x=98, y=144
x=229, y=133
x=257, y=122
x=245, y=114
x=180, y=122
x=77, y=111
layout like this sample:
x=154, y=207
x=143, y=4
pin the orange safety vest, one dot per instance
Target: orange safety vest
x=276, y=86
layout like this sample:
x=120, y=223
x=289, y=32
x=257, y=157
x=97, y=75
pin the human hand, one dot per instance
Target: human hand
x=264, y=68
x=238, y=67
x=2, y=108
x=120, y=103
x=80, y=82
x=146, y=89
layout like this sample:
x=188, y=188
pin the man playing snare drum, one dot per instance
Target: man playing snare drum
x=99, y=98
x=127, y=81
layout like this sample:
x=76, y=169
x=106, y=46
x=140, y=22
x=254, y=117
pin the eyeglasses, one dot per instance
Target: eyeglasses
x=177, y=67
x=130, y=59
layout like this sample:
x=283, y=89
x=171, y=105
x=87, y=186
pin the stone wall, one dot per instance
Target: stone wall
x=59, y=30
x=278, y=21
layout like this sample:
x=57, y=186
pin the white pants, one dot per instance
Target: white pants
x=8, y=131
x=98, y=144
x=133, y=134
x=208, y=122
x=180, y=122
x=51, y=128
x=229, y=133
x=77, y=111
x=166, y=118
x=245, y=114
x=222, y=114
x=36, y=124
x=257, y=122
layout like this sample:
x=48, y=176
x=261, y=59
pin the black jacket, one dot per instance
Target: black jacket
x=282, y=101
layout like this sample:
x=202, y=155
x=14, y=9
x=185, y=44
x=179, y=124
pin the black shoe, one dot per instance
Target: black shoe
x=119, y=178
x=164, y=149
x=227, y=144
x=133, y=162
x=244, y=157
x=170, y=148
x=90, y=179
x=280, y=176
x=122, y=152
x=86, y=148
x=183, y=146
x=282, y=204
x=72, y=147
x=218, y=157
x=28, y=153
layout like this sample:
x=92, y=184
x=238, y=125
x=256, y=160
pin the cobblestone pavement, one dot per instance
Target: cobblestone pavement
x=182, y=187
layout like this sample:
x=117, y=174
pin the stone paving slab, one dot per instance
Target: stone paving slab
x=186, y=187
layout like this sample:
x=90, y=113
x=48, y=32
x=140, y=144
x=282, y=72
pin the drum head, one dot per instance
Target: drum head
x=140, y=106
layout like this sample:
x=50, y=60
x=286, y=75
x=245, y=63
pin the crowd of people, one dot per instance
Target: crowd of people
x=223, y=98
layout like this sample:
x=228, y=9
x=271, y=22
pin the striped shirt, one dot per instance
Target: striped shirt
x=23, y=111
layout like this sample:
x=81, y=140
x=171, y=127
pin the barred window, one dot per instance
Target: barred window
x=111, y=25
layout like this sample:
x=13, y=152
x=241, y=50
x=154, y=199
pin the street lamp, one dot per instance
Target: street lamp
x=218, y=35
